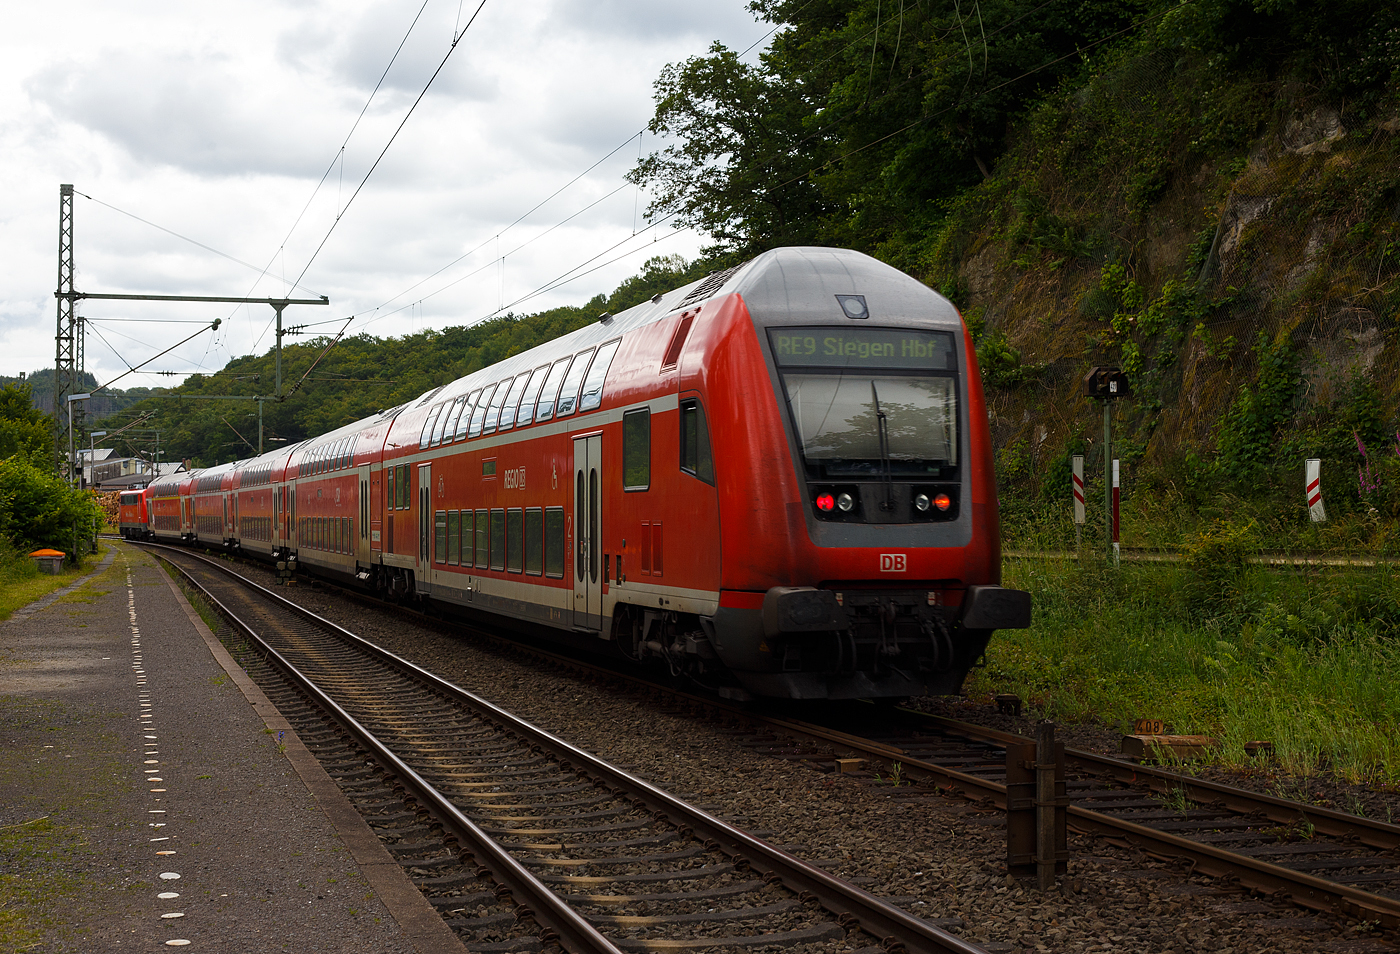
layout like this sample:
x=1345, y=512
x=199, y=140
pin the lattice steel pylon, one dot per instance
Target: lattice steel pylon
x=68, y=344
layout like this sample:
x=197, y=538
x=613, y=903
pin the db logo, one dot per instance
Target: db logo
x=892, y=563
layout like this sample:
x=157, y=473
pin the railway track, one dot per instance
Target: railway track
x=1318, y=858
x=523, y=841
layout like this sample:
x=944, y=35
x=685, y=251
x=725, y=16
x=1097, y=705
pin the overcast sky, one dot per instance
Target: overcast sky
x=217, y=122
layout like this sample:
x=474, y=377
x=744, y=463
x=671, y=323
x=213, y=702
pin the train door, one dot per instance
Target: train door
x=425, y=520
x=376, y=509
x=588, y=506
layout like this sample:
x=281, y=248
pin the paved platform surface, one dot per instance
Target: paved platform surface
x=150, y=803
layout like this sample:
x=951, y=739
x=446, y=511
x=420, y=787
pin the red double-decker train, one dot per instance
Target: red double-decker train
x=777, y=480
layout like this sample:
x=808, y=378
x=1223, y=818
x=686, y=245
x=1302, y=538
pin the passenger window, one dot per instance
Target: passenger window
x=483, y=540
x=393, y=490
x=444, y=414
x=493, y=413
x=636, y=450
x=554, y=542
x=696, y=458
x=515, y=540
x=513, y=401
x=454, y=536
x=568, y=394
x=479, y=414
x=545, y=410
x=534, y=541
x=467, y=540
x=440, y=537
x=428, y=423
x=526, y=413
x=498, y=539
x=466, y=419
x=597, y=374
x=451, y=428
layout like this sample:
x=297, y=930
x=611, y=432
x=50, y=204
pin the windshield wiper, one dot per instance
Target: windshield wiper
x=883, y=429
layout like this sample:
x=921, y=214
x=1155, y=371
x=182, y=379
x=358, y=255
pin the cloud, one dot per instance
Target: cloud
x=201, y=112
x=652, y=19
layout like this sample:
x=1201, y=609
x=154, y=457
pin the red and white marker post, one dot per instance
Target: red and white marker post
x=1076, y=486
x=1115, y=512
x=1312, y=485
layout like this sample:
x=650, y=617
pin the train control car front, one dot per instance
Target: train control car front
x=858, y=511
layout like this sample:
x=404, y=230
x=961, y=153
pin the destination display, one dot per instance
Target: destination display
x=863, y=348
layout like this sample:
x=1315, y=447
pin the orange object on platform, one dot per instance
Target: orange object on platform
x=48, y=553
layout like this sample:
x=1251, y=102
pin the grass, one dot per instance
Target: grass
x=21, y=583
x=37, y=882
x=1213, y=645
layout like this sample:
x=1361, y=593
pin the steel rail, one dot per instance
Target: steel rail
x=896, y=928
x=1307, y=890
x=1368, y=831
x=559, y=922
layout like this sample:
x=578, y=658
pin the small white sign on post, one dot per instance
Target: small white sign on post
x=1077, y=486
x=1312, y=484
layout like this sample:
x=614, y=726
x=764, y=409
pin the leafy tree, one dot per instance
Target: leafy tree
x=24, y=429
x=739, y=173
x=862, y=117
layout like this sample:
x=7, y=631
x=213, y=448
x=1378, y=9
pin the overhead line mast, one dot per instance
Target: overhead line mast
x=68, y=353
x=67, y=359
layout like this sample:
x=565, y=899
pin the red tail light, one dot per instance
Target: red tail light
x=942, y=501
x=826, y=502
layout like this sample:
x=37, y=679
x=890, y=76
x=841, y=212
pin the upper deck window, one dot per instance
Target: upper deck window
x=517, y=388
x=444, y=416
x=465, y=420
x=493, y=413
x=479, y=414
x=532, y=393
x=428, y=421
x=545, y=409
x=568, y=394
x=597, y=373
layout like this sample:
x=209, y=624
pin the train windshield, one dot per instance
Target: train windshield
x=865, y=397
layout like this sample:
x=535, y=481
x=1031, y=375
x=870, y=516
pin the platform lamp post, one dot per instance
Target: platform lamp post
x=1107, y=385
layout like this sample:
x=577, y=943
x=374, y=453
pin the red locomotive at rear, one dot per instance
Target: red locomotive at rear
x=133, y=514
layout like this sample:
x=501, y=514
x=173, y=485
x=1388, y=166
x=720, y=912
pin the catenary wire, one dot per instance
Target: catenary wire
x=387, y=145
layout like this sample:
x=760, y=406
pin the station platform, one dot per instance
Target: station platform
x=151, y=797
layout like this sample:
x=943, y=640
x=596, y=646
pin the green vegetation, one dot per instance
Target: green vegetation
x=37, y=885
x=1310, y=662
x=21, y=583
x=37, y=509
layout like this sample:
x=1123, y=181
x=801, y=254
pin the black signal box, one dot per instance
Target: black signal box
x=1105, y=384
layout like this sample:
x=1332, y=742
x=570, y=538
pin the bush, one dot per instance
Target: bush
x=1216, y=561
x=38, y=509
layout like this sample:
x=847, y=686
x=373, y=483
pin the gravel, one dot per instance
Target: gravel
x=942, y=858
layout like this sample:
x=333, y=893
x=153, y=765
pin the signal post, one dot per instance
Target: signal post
x=1107, y=385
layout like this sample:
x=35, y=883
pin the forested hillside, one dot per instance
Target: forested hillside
x=1205, y=193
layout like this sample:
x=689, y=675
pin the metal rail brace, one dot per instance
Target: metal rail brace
x=1037, y=808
